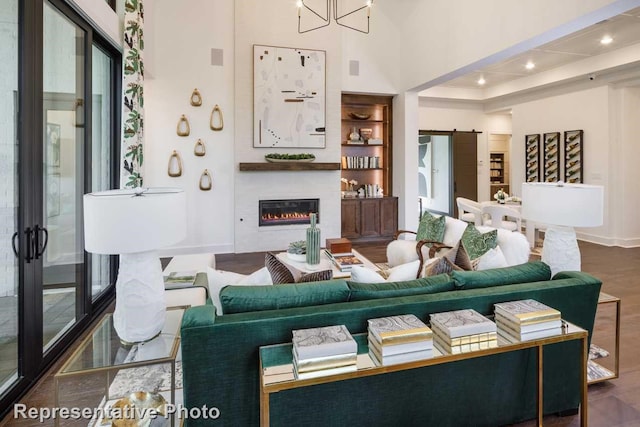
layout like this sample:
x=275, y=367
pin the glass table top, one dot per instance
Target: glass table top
x=102, y=349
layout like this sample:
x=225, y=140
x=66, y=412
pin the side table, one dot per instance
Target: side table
x=596, y=372
x=102, y=351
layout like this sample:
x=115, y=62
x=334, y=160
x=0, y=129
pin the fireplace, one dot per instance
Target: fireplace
x=287, y=212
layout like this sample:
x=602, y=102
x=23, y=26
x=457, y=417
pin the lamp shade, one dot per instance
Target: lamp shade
x=568, y=205
x=136, y=220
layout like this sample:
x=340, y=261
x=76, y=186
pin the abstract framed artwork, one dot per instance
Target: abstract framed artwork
x=573, y=156
x=288, y=97
x=532, y=157
x=53, y=145
x=551, y=143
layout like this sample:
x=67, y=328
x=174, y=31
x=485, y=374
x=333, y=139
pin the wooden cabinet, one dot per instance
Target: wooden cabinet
x=366, y=142
x=369, y=218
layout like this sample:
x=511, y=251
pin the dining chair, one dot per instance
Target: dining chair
x=469, y=210
x=500, y=216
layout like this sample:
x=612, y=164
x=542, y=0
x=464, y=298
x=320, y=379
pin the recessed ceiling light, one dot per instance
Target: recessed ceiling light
x=481, y=81
x=530, y=65
x=606, y=40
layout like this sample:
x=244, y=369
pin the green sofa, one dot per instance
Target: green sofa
x=220, y=354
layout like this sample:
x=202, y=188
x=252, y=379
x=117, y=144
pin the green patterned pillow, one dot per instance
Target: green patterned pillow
x=477, y=244
x=431, y=228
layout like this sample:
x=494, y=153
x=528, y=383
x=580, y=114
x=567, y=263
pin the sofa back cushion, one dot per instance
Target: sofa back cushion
x=240, y=299
x=427, y=285
x=535, y=271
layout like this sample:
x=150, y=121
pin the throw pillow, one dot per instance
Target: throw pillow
x=440, y=266
x=218, y=279
x=493, y=258
x=476, y=243
x=400, y=273
x=316, y=276
x=431, y=228
x=279, y=272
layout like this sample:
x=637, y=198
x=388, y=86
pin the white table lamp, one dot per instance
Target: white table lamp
x=562, y=207
x=134, y=224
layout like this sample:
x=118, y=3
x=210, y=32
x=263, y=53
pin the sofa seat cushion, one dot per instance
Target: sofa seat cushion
x=427, y=285
x=240, y=299
x=536, y=271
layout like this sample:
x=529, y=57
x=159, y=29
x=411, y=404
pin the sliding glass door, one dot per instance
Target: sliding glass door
x=59, y=129
x=9, y=296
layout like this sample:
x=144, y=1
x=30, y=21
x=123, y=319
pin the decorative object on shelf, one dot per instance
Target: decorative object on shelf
x=134, y=223
x=354, y=136
x=562, y=207
x=199, y=149
x=357, y=15
x=366, y=133
x=216, y=111
x=206, y=182
x=174, y=168
x=288, y=97
x=532, y=157
x=303, y=157
x=313, y=241
x=375, y=141
x=501, y=196
x=359, y=116
x=297, y=251
x=360, y=192
x=196, y=98
x=573, y=156
x=183, y=128
x=551, y=157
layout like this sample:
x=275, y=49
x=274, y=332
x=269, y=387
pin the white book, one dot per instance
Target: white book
x=508, y=336
x=531, y=327
x=398, y=329
x=459, y=323
x=527, y=311
x=400, y=358
x=320, y=342
x=393, y=349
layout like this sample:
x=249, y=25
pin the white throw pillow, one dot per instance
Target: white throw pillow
x=493, y=258
x=218, y=279
x=400, y=273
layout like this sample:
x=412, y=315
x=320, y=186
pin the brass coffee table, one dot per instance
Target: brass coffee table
x=102, y=351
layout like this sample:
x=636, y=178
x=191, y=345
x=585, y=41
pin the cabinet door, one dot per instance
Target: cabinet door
x=351, y=219
x=370, y=217
x=388, y=216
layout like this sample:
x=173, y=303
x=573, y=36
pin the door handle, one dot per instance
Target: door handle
x=28, y=256
x=13, y=244
x=38, y=248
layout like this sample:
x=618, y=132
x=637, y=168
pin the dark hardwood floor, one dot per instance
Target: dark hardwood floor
x=614, y=403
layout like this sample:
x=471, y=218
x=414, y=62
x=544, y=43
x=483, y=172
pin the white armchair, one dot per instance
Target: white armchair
x=502, y=217
x=469, y=210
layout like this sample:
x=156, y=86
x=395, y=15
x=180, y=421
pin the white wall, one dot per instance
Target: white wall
x=176, y=63
x=275, y=24
x=587, y=110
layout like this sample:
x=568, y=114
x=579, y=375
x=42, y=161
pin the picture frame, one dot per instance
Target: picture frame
x=551, y=162
x=52, y=189
x=532, y=157
x=289, y=97
x=573, y=156
x=53, y=145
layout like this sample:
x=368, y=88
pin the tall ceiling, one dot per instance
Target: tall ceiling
x=624, y=29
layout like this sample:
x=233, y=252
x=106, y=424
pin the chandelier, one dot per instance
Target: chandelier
x=325, y=16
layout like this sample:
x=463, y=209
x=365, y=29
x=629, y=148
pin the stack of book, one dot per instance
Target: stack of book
x=462, y=331
x=344, y=261
x=527, y=320
x=323, y=351
x=399, y=339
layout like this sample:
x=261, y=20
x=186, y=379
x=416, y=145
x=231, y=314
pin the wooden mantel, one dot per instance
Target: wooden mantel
x=288, y=166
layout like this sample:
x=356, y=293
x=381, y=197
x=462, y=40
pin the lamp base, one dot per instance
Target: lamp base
x=560, y=249
x=140, y=305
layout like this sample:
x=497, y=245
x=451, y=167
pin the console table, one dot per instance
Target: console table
x=276, y=368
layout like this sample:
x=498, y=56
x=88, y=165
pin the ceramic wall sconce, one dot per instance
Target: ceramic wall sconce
x=174, y=168
x=206, y=182
x=199, y=149
x=220, y=122
x=183, y=128
x=196, y=98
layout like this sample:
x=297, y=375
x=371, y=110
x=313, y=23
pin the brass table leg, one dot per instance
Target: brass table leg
x=583, y=379
x=540, y=386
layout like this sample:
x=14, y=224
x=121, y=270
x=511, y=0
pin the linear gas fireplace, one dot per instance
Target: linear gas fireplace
x=286, y=212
